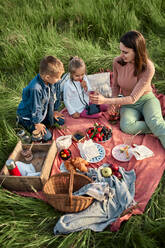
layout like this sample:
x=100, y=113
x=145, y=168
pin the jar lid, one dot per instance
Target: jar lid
x=10, y=164
x=21, y=133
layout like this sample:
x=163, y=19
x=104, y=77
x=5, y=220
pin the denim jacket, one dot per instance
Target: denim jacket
x=35, y=100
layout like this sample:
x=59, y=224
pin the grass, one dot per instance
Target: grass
x=90, y=29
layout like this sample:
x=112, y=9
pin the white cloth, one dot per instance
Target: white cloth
x=88, y=149
x=140, y=152
x=27, y=169
x=71, y=96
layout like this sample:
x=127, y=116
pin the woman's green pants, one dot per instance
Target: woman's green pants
x=145, y=115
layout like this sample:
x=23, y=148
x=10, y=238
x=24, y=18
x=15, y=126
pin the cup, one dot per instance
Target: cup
x=92, y=92
x=27, y=154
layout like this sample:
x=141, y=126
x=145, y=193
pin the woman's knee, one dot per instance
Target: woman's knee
x=125, y=127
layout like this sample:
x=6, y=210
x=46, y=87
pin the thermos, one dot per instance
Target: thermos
x=12, y=168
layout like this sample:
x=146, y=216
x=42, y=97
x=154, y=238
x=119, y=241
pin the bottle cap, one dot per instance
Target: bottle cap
x=21, y=133
x=10, y=164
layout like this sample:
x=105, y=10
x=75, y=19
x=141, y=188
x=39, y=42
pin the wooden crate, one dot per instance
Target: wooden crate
x=43, y=157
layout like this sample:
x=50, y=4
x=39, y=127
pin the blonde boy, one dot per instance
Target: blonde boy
x=38, y=108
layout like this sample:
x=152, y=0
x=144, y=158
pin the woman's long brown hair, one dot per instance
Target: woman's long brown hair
x=135, y=40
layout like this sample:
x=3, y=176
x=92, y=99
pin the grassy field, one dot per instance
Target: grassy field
x=90, y=29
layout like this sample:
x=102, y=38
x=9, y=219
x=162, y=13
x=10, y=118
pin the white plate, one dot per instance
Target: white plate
x=121, y=156
x=99, y=157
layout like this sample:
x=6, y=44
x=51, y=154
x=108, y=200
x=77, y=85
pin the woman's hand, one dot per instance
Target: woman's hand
x=75, y=115
x=57, y=115
x=41, y=128
x=97, y=98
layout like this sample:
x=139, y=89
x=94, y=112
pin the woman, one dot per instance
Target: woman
x=133, y=71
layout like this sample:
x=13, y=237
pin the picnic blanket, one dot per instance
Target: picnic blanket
x=148, y=171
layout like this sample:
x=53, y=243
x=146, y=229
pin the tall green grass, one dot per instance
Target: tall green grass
x=90, y=29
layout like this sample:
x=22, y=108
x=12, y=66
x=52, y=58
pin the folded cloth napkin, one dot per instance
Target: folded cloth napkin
x=102, y=213
x=141, y=152
x=99, y=191
x=88, y=149
x=27, y=169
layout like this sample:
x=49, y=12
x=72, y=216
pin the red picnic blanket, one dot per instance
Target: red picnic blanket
x=148, y=171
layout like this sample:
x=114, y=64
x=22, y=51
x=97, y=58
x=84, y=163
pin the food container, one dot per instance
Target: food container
x=78, y=136
x=65, y=154
x=64, y=142
x=43, y=157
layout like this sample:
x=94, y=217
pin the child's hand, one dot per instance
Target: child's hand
x=58, y=115
x=76, y=115
x=40, y=128
x=84, y=85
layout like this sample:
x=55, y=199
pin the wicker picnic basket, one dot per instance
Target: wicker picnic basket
x=58, y=192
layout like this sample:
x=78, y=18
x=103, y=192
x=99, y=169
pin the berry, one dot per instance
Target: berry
x=99, y=129
x=114, y=167
x=89, y=131
x=118, y=174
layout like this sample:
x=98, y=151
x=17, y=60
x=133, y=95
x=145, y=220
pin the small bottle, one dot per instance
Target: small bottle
x=12, y=168
x=24, y=138
x=21, y=133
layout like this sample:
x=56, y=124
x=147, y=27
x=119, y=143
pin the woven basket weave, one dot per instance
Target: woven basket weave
x=58, y=191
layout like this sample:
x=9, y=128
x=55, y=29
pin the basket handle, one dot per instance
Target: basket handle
x=71, y=186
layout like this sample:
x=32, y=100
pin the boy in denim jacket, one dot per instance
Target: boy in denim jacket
x=41, y=99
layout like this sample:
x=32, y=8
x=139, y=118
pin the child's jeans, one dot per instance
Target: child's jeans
x=29, y=126
x=103, y=108
x=145, y=116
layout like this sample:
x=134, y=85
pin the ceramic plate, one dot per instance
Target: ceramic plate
x=121, y=156
x=99, y=157
x=62, y=168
